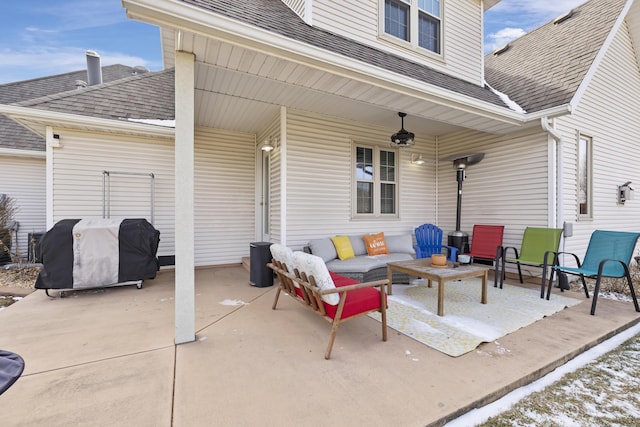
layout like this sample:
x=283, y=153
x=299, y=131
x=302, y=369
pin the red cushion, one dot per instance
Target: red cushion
x=358, y=301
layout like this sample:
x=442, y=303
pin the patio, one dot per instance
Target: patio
x=106, y=357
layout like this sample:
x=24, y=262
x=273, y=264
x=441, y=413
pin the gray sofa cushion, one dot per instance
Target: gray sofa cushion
x=357, y=243
x=400, y=244
x=323, y=248
x=365, y=263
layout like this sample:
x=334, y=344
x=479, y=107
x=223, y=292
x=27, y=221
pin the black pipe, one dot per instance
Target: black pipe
x=460, y=178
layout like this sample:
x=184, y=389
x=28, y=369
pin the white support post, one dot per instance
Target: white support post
x=184, y=197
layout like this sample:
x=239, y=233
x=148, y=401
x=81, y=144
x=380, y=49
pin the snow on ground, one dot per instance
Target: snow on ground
x=480, y=415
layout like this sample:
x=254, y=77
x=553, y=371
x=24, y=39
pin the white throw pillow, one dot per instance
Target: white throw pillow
x=283, y=254
x=314, y=266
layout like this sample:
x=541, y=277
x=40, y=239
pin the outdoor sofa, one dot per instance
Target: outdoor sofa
x=362, y=266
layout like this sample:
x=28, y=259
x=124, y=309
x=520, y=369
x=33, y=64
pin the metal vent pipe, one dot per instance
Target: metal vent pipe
x=94, y=70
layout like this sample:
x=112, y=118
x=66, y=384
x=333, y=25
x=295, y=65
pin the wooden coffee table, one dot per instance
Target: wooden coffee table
x=423, y=268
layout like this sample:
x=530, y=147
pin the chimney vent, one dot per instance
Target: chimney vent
x=94, y=70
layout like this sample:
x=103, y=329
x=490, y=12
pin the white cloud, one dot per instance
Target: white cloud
x=503, y=37
x=510, y=19
x=540, y=8
x=46, y=61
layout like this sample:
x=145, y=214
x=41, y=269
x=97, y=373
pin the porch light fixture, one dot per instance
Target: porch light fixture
x=267, y=146
x=402, y=138
x=416, y=159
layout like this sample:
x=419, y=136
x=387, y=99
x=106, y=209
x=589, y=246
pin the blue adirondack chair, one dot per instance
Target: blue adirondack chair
x=429, y=242
x=608, y=255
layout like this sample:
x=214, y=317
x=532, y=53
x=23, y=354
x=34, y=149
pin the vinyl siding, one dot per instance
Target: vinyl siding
x=296, y=5
x=318, y=180
x=78, y=180
x=462, y=33
x=608, y=112
x=23, y=179
x=224, y=196
x=224, y=187
x=510, y=186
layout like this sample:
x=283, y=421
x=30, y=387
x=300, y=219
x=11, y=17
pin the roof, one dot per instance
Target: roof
x=545, y=67
x=16, y=136
x=145, y=96
x=278, y=18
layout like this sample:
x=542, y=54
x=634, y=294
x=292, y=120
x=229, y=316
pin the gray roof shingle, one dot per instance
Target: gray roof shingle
x=16, y=136
x=544, y=68
x=145, y=96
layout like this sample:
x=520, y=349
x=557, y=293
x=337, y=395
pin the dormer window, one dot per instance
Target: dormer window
x=417, y=22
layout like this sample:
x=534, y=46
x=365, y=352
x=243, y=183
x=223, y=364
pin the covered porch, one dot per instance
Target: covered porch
x=107, y=357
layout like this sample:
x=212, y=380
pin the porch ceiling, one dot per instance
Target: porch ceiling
x=241, y=89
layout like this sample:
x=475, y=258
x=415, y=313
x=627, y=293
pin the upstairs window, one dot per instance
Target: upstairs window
x=415, y=21
x=376, y=182
x=585, y=187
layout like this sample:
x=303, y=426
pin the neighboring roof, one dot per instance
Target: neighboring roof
x=277, y=18
x=145, y=96
x=16, y=136
x=544, y=68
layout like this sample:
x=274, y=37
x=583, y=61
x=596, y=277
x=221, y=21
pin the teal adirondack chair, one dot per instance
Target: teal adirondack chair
x=429, y=242
x=608, y=255
x=535, y=243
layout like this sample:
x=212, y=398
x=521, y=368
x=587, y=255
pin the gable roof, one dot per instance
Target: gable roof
x=545, y=67
x=278, y=18
x=145, y=96
x=16, y=136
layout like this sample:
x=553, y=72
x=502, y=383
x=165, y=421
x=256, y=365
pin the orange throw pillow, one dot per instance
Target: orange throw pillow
x=375, y=244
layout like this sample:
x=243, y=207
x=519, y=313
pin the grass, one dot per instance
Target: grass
x=605, y=392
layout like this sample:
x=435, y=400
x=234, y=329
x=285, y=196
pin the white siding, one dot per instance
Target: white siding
x=23, y=179
x=78, y=180
x=509, y=187
x=225, y=196
x=296, y=5
x=608, y=112
x=319, y=185
x=462, y=33
x=224, y=186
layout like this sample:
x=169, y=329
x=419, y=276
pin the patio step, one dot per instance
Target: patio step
x=246, y=262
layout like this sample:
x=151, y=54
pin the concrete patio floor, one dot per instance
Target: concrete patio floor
x=106, y=358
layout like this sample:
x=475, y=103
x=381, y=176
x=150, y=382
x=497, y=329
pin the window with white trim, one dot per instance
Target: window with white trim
x=418, y=22
x=375, y=178
x=585, y=187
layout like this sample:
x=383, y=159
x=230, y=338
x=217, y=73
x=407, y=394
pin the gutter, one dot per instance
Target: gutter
x=544, y=121
x=74, y=121
x=11, y=152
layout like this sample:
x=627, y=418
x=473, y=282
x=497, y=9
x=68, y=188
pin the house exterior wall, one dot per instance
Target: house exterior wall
x=318, y=180
x=462, y=54
x=608, y=112
x=511, y=186
x=78, y=180
x=225, y=196
x=23, y=179
x=224, y=187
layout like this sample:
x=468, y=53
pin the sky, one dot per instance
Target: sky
x=47, y=37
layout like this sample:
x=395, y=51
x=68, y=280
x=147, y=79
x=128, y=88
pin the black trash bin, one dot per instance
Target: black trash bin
x=260, y=275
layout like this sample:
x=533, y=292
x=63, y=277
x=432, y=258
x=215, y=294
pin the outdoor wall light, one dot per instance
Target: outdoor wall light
x=402, y=138
x=624, y=192
x=416, y=159
x=267, y=146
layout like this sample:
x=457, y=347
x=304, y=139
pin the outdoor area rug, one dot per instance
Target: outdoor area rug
x=466, y=322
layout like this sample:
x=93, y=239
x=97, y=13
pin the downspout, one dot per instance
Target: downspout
x=557, y=137
x=437, y=199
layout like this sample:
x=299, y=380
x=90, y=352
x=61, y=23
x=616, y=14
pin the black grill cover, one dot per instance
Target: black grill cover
x=138, y=245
